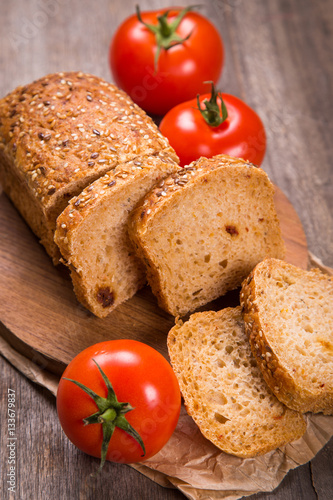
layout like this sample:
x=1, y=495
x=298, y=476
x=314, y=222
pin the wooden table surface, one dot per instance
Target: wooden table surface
x=279, y=60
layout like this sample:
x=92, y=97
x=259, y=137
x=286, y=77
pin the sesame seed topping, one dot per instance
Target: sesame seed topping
x=96, y=132
x=63, y=226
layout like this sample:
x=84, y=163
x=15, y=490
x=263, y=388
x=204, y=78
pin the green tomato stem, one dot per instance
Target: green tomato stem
x=165, y=31
x=110, y=414
x=212, y=113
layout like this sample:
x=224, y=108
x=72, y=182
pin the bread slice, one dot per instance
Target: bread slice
x=60, y=133
x=204, y=230
x=223, y=388
x=92, y=233
x=288, y=313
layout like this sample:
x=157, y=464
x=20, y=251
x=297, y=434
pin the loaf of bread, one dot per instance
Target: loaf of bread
x=93, y=238
x=223, y=388
x=288, y=314
x=204, y=230
x=59, y=134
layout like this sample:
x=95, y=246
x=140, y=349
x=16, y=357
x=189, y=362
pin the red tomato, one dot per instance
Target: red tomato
x=180, y=70
x=140, y=376
x=241, y=134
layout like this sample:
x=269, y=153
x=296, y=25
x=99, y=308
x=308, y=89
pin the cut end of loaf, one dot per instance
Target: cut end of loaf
x=203, y=232
x=223, y=388
x=93, y=237
x=288, y=313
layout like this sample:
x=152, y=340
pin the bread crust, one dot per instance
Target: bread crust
x=281, y=375
x=119, y=190
x=223, y=389
x=174, y=189
x=59, y=134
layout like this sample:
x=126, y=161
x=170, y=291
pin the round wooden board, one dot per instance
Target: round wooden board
x=41, y=318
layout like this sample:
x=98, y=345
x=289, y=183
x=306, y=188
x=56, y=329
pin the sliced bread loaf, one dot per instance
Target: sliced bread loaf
x=288, y=314
x=204, y=230
x=92, y=233
x=223, y=388
x=60, y=133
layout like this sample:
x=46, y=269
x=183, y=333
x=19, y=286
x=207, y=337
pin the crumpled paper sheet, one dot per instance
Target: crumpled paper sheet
x=195, y=466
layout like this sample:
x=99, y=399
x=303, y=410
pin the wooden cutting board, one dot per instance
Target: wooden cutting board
x=41, y=318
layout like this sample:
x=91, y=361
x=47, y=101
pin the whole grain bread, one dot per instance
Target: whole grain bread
x=59, y=134
x=204, y=230
x=223, y=388
x=288, y=314
x=93, y=238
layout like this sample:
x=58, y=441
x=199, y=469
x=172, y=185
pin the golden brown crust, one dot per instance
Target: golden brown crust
x=278, y=375
x=63, y=131
x=81, y=205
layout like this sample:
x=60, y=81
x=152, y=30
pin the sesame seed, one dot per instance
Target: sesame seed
x=70, y=215
x=63, y=226
x=94, y=155
x=96, y=132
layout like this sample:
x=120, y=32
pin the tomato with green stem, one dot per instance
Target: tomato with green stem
x=214, y=124
x=161, y=58
x=119, y=400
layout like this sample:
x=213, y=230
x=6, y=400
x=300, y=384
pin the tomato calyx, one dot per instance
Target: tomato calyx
x=110, y=414
x=213, y=114
x=165, y=32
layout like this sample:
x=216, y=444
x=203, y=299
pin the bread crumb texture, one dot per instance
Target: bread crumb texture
x=204, y=230
x=288, y=314
x=93, y=237
x=223, y=388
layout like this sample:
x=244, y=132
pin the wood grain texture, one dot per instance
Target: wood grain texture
x=278, y=59
x=30, y=281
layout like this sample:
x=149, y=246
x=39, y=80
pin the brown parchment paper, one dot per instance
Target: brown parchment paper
x=195, y=466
